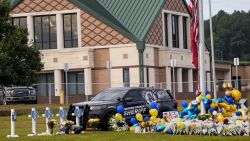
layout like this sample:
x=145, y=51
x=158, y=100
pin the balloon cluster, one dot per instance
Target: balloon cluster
x=219, y=108
x=117, y=122
x=118, y=116
x=145, y=122
x=191, y=110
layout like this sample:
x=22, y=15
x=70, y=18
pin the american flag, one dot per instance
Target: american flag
x=193, y=7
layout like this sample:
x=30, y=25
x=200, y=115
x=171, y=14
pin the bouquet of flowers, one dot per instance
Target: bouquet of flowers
x=148, y=126
x=52, y=125
x=117, y=125
x=67, y=127
x=93, y=122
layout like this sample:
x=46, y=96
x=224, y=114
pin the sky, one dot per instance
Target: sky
x=227, y=5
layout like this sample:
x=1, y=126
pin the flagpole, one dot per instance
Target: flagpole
x=212, y=50
x=202, y=55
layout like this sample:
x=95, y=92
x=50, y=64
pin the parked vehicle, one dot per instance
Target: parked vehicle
x=134, y=100
x=2, y=96
x=19, y=94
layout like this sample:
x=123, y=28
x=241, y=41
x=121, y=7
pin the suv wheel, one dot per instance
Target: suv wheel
x=105, y=124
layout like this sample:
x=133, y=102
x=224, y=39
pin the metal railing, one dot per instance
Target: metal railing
x=183, y=90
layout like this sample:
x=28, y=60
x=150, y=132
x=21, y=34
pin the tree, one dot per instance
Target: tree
x=19, y=61
x=231, y=35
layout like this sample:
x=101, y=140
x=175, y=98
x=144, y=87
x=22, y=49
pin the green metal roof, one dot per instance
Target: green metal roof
x=136, y=15
x=93, y=7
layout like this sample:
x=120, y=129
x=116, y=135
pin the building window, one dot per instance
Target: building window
x=175, y=31
x=45, y=32
x=76, y=83
x=185, y=32
x=70, y=30
x=126, y=80
x=45, y=85
x=20, y=22
x=166, y=29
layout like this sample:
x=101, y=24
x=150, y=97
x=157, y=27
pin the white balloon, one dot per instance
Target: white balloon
x=214, y=112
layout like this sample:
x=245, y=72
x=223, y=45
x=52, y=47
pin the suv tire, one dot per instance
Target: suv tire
x=105, y=124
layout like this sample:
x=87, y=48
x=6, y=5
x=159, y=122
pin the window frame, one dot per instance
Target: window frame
x=185, y=32
x=71, y=31
x=42, y=47
x=175, y=28
x=19, y=18
x=76, y=83
x=47, y=77
x=126, y=84
x=166, y=23
x=166, y=42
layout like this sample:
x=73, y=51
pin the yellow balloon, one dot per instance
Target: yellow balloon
x=243, y=112
x=236, y=95
x=228, y=108
x=150, y=123
x=178, y=120
x=212, y=105
x=181, y=125
x=139, y=117
x=228, y=93
x=229, y=114
x=208, y=96
x=233, y=107
x=199, y=107
x=220, y=118
x=153, y=112
x=143, y=124
x=224, y=86
x=162, y=123
x=153, y=118
x=219, y=114
x=132, y=129
x=200, y=97
x=118, y=116
x=229, y=85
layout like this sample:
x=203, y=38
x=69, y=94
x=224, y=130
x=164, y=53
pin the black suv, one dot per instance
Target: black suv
x=134, y=100
x=19, y=94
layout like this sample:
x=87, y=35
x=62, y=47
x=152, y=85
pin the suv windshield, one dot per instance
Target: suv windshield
x=110, y=95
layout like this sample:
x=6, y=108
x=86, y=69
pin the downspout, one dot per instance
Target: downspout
x=141, y=47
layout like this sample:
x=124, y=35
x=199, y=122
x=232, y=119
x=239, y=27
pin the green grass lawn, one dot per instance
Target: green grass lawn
x=23, y=127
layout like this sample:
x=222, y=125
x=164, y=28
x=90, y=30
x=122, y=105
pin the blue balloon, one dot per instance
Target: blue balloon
x=120, y=109
x=146, y=119
x=204, y=99
x=211, y=110
x=170, y=132
x=133, y=121
x=160, y=128
x=208, y=92
x=230, y=100
x=220, y=111
x=209, y=101
x=153, y=105
x=238, y=114
x=207, y=106
x=184, y=104
x=78, y=130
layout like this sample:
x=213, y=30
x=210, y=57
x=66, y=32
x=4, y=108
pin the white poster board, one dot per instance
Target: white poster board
x=171, y=114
